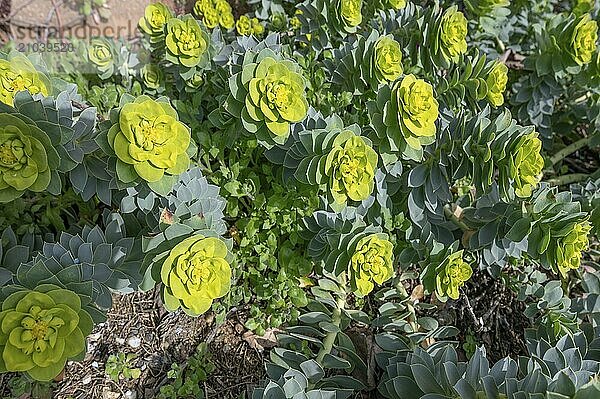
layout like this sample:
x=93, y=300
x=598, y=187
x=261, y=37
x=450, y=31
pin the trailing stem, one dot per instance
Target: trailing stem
x=336, y=319
x=571, y=148
x=568, y=179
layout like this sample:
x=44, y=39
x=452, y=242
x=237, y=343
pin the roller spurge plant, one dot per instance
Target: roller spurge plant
x=396, y=199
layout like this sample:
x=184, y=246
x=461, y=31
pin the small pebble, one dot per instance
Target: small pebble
x=134, y=342
x=86, y=380
x=130, y=395
x=120, y=341
x=95, y=364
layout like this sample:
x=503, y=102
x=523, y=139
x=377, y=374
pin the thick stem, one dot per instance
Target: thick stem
x=571, y=148
x=568, y=179
x=452, y=217
x=336, y=319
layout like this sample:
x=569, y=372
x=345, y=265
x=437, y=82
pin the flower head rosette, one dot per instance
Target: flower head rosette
x=152, y=76
x=387, y=59
x=350, y=167
x=496, y=84
x=244, y=26
x=404, y=116
x=268, y=95
x=583, y=40
x=195, y=272
x=524, y=165
x=452, y=274
x=214, y=13
x=18, y=74
x=40, y=330
x=570, y=247
x=154, y=21
x=28, y=161
x=257, y=28
x=371, y=263
x=149, y=141
x=452, y=34
x=187, y=43
x=350, y=13
x=101, y=54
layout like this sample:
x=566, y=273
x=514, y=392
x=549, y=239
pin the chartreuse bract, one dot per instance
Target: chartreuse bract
x=40, y=329
x=267, y=96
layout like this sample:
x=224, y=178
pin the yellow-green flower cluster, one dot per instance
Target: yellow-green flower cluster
x=570, y=247
x=350, y=166
x=526, y=164
x=453, y=34
x=214, y=13
x=275, y=96
x=154, y=21
x=451, y=275
x=350, y=12
x=195, y=273
x=387, y=59
x=583, y=40
x=40, y=330
x=496, y=84
x=152, y=76
x=371, y=263
x=149, y=141
x=397, y=4
x=27, y=158
x=186, y=42
x=295, y=21
x=102, y=55
x=247, y=26
x=417, y=111
x=19, y=74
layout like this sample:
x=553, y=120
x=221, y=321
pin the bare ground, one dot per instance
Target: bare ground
x=138, y=324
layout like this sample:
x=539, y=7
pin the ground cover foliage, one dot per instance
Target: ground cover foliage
x=360, y=175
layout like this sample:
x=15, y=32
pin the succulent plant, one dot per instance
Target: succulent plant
x=452, y=275
x=404, y=116
x=350, y=167
x=102, y=54
x=193, y=202
x=244, y=25
x=40, y=329
x=559, y=231
x=496, y=84
x=92, y=264
x=28, y=160
x=18, y=74
x=371, y=263
x=525, y=164
x=194, y=273
x=452, y=34
x=154, y=21
x=553, y=370
x=152, y=76
x=583, y=40
x=186, y=42
x=380, y=62
x=268, y=95
x=214, y=13
x=149, y=142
